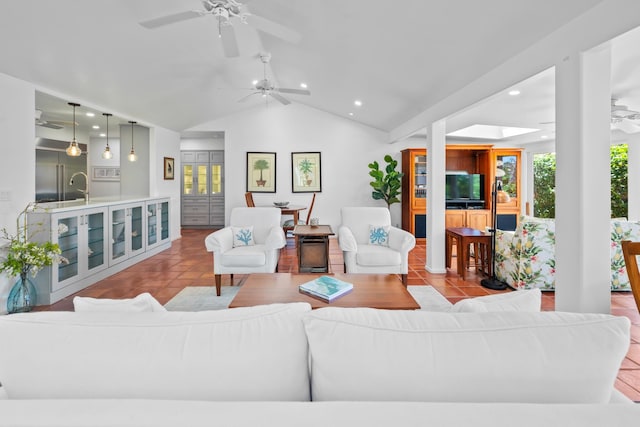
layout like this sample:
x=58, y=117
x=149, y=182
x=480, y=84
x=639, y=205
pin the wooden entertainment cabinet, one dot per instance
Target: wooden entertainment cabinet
x=470, y=158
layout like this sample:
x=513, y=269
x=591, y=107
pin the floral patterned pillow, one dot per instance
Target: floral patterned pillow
x=243, y=236
x=379, y=235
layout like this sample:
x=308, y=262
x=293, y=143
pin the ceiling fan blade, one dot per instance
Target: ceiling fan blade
x=49, y=125
x=244, y=98
x=281, y=99
x=170, y=19
x=229, y=42
x=273, y=28
x=296, y=91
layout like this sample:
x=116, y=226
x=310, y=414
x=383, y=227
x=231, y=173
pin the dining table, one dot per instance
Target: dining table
x=293, y=210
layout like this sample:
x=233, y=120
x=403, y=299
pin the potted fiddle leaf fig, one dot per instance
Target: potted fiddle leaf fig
x=386, y=183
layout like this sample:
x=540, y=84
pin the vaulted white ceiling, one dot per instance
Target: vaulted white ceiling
x=397, y=57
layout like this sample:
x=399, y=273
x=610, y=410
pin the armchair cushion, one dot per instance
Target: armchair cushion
x=248, y=256
x=243, y=236
x=377, y=255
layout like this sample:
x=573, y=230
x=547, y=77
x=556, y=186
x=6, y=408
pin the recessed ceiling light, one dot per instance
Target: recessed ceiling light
x=254, y=82
x=544, y=137
x=351, y=114
x=103, y=135
x=303, y=85
x=357, y=103
x=90, y=114
x=514, y=92
x=95, y=127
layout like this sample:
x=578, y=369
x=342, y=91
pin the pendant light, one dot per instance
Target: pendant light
x=106, y=154
x=73, y=149
x=132, y=155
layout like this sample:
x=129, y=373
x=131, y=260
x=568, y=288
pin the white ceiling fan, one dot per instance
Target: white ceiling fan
x=623, y=118
x=51, y=124
x=266, y=87
x=226, y=12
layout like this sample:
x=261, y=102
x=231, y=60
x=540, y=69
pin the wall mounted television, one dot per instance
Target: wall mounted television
x=464, y=186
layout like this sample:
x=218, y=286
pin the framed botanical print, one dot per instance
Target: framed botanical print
x=261, y=172
x=169, y=168
x=306, y=174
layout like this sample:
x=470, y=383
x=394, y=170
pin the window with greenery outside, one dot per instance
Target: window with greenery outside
x=544, y=175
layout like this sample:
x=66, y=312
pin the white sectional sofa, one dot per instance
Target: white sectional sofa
x=285, y=365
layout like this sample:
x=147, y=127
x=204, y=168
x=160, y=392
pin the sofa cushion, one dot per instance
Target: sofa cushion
x=254, y=353
x=525, y=300
x=368, y=354
x=141, y=303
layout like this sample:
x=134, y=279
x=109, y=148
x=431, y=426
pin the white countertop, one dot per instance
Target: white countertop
x=96, y=202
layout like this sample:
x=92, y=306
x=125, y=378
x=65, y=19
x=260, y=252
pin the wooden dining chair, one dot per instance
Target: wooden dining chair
x=288, y=225
x=249, y=198
x=631, y=250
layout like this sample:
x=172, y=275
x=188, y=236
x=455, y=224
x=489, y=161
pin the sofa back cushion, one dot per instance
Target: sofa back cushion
x=256, y=353
x=378, y=355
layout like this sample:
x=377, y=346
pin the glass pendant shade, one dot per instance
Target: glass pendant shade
x=106, y=154
x=132, y=154
x=73, y=149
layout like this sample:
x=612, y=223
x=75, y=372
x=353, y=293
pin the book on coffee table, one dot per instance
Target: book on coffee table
x=326, y=288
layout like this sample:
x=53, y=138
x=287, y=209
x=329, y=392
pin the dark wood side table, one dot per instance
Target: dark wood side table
x=465, y=236
x=313, y=247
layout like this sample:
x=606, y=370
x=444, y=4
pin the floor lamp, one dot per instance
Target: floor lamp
x=493, y=282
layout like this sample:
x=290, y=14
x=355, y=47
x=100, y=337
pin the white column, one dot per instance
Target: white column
x=583, y=187
x=436, y=164
x=633, y=180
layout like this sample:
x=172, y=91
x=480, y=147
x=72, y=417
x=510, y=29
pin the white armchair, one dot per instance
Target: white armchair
x=383, y=251
x=254, y=252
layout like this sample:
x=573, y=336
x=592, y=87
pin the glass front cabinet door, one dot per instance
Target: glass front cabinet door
x=157, y=223
x=126, y=233
x=82, y=239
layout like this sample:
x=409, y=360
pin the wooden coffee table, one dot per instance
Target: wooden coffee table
x=384, y=291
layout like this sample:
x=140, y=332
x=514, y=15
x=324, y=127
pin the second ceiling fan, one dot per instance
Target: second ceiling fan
x=267, y=88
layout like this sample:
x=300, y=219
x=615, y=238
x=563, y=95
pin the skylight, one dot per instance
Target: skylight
x=491, y=132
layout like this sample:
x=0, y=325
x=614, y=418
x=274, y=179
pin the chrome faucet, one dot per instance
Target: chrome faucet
x=86, y=184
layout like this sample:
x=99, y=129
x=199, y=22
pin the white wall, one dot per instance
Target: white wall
x=134, y=176
x=96, y=147
x=346, y=149
x=165, y=143
x=17, y=144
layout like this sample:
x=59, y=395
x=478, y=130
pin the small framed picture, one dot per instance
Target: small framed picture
x=169, y=168
x=261, y=172
x=306, y=176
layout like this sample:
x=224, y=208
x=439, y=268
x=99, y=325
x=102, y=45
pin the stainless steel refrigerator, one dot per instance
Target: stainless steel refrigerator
x=54, y=169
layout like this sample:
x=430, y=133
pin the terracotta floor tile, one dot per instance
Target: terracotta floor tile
x=187, y=263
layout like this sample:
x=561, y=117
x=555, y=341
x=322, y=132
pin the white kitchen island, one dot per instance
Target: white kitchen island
x=98, y=238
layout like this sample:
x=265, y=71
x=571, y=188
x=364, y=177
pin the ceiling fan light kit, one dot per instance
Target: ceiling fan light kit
x=73, y=150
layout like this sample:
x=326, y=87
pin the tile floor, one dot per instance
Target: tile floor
x=188, y=264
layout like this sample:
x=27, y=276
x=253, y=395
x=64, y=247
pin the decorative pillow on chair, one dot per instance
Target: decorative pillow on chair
x=142, y=303
x=243, y=236
x=379, y=235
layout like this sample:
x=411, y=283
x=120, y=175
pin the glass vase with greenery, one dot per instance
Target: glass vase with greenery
x=23, y=258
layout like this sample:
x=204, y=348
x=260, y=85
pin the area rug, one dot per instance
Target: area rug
x=200, y=298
